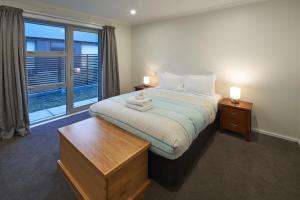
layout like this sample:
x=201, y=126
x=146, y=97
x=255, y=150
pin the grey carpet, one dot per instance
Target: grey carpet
x=230, y=168
x=28, y=164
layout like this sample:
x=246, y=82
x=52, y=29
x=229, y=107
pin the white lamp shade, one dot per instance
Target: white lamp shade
x=146, y=80
x=235, y=93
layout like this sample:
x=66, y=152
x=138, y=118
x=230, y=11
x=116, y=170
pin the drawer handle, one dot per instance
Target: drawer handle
x=233, y=113
x=233, y=125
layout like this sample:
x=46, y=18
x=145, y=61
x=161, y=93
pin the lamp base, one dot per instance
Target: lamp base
x=235, y=101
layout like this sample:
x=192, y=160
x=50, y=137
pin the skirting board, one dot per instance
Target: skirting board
x=276, y=135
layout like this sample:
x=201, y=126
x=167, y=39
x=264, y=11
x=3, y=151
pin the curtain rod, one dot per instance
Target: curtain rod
x=59, y=19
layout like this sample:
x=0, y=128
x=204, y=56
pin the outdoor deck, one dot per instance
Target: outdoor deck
x=50, y=104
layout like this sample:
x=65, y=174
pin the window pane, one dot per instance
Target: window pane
x=85, y=36
x=42, y=45
x=57, y=46
x=46, y=104
x=89, y=49
x=42, y=36
x=88, y=74
x=42, y=70
x=86, y=68
x=30, y=45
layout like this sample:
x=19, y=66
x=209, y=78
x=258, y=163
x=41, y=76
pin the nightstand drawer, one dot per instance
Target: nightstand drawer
x=234, y=125
x=234, y=114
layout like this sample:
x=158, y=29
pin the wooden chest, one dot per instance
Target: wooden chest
x=103, y=161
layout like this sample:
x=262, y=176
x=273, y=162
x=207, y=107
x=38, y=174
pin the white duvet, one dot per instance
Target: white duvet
x=174, y=122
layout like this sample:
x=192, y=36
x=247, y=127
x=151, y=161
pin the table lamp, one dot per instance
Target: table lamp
x=235, y=94
x=146, y=81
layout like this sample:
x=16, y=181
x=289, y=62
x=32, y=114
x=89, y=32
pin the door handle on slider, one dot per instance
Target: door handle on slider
x=76, y=70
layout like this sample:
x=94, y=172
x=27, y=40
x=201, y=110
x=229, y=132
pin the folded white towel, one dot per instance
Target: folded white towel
x=139, y=108
x=139, y=97
x=139, y=102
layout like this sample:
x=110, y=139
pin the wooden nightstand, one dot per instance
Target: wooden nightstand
x=236, y=117
x=141, y=87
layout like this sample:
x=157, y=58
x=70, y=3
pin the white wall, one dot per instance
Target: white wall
x=253, y=46
x=123, y=33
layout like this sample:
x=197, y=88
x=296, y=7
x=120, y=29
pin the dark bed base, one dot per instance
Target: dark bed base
x=171, y=173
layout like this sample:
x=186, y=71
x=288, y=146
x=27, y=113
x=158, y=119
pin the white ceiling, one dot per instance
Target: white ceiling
x=147, y=10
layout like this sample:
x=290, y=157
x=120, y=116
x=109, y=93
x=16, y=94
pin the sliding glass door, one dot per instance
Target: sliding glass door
x=84, y=79
x=62, y=69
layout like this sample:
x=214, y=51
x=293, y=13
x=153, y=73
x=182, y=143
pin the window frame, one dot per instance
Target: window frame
x=48, y=54
x=67, y=54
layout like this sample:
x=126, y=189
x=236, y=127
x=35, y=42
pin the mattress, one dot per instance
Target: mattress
x=170, y=126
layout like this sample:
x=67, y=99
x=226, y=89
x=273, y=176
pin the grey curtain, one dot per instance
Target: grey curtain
x=14, y=118
x=110, y=72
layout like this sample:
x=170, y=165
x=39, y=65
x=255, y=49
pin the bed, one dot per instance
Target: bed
x=177, y=126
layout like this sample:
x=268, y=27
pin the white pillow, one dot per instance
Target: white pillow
x=170, y=81
x=200, y=84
